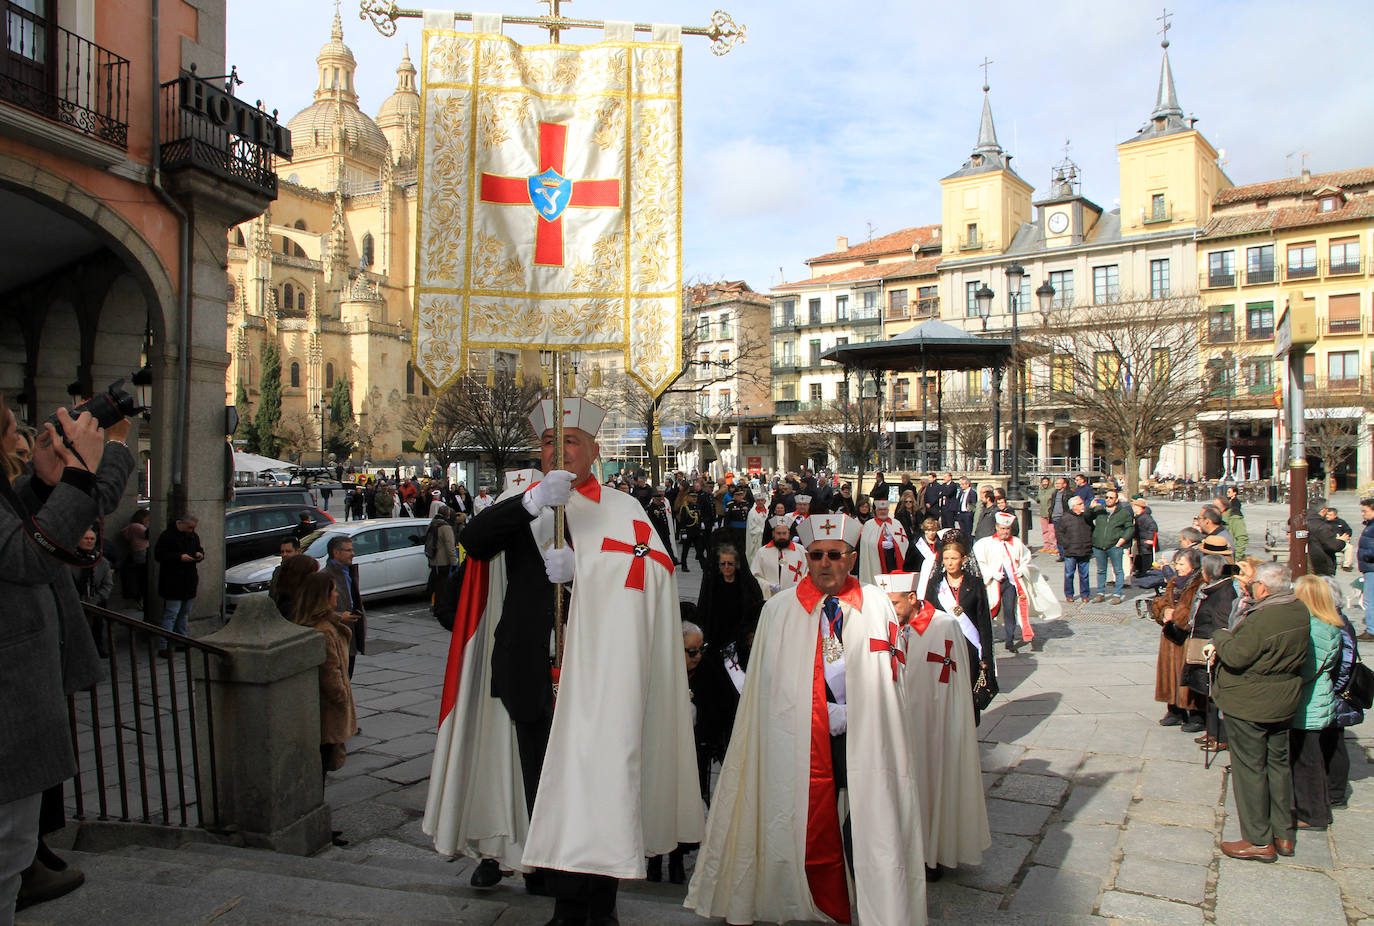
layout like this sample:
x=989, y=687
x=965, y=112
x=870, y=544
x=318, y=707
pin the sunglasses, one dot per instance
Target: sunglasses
x=817, y=555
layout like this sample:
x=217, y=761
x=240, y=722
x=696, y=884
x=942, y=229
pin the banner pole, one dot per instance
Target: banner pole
x=558, y=512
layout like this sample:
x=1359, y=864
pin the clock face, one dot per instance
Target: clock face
x=1059, y=221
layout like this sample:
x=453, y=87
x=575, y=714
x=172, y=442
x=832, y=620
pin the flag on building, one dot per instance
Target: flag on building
x=550, y=211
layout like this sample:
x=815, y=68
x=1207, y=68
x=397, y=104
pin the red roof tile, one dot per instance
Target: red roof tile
x=724, y=291
x=1246, y=223
x=1295, y=186
x=904, y=240
x=923, y=266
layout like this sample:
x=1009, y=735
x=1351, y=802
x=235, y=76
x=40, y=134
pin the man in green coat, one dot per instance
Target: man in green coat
x=1258, y=686
x=1113, y=527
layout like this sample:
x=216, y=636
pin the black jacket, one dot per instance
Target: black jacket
x=176, y=580
x=1322, y=545
x=1074, y=534
x=520, y=652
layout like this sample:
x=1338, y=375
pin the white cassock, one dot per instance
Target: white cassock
x=954, y=815
x=1011, y=559
x=875, y=538
x=772, y=849
x=782, y=568
x=620, y=774
x=476, y=802
x=755, y=526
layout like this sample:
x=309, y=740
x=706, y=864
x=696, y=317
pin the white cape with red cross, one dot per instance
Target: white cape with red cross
x=476, y=800
x=939, y=695
x=761, y=833
x=620, y=774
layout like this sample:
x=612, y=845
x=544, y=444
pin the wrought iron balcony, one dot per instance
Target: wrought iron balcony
x=1218, y=279
x=61, y=76
x=223, y=147
x=1345, y=267
x=1301, y=271
x=1261, y=274
x=1343, y=326
x=1156, y=215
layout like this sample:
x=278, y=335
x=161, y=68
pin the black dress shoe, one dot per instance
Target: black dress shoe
x=486, y=874
x=933, y=874
x=534, y=884
x=337, y=838
x=677, y=874
x=567, y=921
x=654, y=869
x=604, y=919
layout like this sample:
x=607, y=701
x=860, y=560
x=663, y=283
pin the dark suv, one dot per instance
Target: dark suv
x=254, y=531
x=275, y=495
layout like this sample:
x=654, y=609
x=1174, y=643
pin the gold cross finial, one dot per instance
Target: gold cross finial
x=984, y=66
x=554, y=13
x=1164, y=30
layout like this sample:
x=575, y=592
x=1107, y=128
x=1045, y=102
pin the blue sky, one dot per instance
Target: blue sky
x=834, y=118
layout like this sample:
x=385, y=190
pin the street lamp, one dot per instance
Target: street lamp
x=322, y=409
x=1015, y=273
x=739, y=429
x=1228, y=455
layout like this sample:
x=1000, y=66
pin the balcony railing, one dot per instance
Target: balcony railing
x=972, y=243
x=192, y=141
x=1343, y=326
x=1262, y=274
x=1301, y=271
x=64, y=77
x=1343, y=384
x=1226, y=336
x=1261, y=388
x=1217, y=279
x=1345, y=267
x=1158, y=215
x=927, y=307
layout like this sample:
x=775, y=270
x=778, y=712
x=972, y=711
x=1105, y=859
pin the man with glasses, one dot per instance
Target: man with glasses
x=1113, y=527
x=344, y=572
x=786, y=834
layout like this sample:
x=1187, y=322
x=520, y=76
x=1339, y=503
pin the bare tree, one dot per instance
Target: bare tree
x=1331, y=437
x=297, y=434
x=748, y=366
x=1133, y=378
x=474, y=419
x=847, y=428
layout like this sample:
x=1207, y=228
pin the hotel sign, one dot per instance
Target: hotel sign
x=226, y=111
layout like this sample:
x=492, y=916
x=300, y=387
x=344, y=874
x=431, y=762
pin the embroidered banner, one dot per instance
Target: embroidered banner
x=550, y=211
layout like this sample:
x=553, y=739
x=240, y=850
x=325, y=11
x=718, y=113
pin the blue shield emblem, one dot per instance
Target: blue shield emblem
x=550, y=192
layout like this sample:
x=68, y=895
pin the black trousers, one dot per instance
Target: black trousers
x=532, y=739
x=1011, y=616
x=1338, y=771
x=1309, y=753
x=577, y=896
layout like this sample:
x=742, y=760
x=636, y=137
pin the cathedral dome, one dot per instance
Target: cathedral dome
x=403, y=106
x=334, y=123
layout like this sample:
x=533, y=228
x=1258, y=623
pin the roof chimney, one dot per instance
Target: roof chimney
x=841, y=243
x=1306, y=175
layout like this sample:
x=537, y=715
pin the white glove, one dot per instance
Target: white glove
x=774, y=589
x=554, y=489
x=558, y=564
x=839, y=722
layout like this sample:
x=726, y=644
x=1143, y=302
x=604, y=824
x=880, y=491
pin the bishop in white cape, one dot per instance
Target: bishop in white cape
x=775, y=567
x=755, y=528
x=773, y=849
x=882, y=545
x=1005, y=563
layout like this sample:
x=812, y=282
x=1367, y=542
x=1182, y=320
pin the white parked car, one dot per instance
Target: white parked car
x=389, y=554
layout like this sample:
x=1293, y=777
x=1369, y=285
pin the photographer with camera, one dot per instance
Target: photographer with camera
x=46, y=649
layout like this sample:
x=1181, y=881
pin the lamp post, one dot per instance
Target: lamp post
x=739, y=430
x=1228, y=382
x=322, y=409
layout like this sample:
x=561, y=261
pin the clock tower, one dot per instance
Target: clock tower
x=1065, y=216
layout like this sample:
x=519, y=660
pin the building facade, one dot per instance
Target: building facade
x=1286, y=243
x=326, y=273
x=120, y=171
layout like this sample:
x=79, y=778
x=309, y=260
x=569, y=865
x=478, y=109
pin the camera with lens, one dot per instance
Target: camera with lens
x=109, y=407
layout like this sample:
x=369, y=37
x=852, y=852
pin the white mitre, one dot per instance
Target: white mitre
x=577, y=413
x=829, y=527
x=518, y=480
x=781, y=520
x=896, y=583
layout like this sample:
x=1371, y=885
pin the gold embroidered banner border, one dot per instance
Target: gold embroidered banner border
x=487, y=107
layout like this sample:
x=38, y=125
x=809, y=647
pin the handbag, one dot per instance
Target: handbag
x=1360, y=690
x=1192, y=651
x=983, y=692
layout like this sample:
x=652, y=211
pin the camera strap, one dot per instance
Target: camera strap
x=80, y=558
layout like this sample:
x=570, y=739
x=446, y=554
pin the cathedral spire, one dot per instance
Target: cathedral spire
x=987, y=132
x=336, y=31
x=1166, y=100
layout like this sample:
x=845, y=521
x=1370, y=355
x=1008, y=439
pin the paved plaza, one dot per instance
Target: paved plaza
x=1099, y=815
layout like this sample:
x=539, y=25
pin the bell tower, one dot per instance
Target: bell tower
x=984, y=202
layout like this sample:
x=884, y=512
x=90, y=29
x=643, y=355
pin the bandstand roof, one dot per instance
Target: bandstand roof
x=932, y=345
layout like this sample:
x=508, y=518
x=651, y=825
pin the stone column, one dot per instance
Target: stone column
x=1085, y=450
x=781, y=442
x=1364, y=461
x=1043, y=445
x=266, y=721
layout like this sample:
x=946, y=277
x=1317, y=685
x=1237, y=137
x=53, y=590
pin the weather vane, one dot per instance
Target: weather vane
x=1164, y=31
x=723, y=32
x=984, y=66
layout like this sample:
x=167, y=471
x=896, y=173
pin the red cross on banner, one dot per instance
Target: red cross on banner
x=796, y=570
x=889, y=646
x=550, y=192
x=947, y=664
x=640, y=551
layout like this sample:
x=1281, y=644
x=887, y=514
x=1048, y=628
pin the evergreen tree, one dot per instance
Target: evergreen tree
x=269, y=402
x=342, y=427
x=245, y=431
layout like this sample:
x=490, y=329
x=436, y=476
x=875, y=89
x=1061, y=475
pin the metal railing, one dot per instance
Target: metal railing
x=1343, y=326
x=1300, y=272
x=191, y=141
x=1345, y=267
x=1217, y=279
x=134, y=732
x=1155, y=216
x=64, y=77
x=1261, y=274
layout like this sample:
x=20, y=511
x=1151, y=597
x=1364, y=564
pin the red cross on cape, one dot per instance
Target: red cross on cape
x=946, y=662
x=641, y=551
x=889, y=646
x=796, y=570
x=550, y=192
